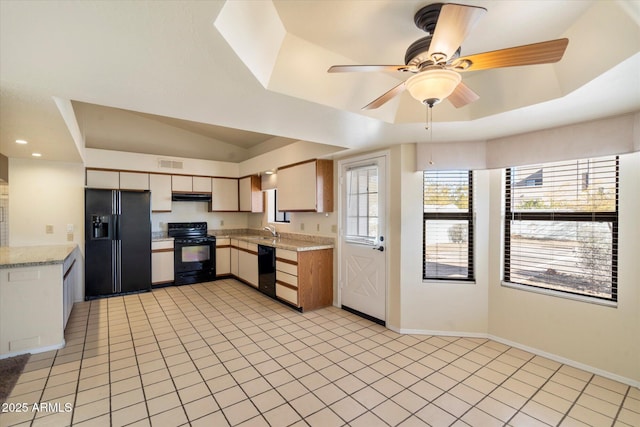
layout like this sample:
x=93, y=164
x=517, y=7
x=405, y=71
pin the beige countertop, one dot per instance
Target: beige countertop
x=27, y=256
x=292, y=242
x=282, y=243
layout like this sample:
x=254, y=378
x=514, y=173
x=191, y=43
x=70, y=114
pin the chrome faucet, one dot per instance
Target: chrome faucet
x=272, y=230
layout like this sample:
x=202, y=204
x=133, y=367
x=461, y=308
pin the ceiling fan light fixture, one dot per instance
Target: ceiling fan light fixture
x=432, y=86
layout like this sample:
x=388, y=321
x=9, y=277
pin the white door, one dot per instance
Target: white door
x=363, y=260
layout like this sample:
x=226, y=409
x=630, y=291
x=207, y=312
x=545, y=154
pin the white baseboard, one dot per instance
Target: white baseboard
x=569, y=362
x=438, y=333
x=35, y=350
x=537, y=352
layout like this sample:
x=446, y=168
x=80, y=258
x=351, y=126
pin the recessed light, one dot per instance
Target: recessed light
x=36, y=154
x=268, y=173
x=21, y=141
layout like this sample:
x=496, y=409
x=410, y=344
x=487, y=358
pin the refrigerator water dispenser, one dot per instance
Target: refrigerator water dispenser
x=100, y=227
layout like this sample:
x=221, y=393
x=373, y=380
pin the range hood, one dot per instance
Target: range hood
x=191, y=197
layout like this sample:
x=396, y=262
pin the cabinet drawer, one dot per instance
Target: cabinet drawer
x=162, y=244
x=235, y=243
x=287, y=294
x=223, y=242
x=287, y=268
x=286, y=254
x=287, y=278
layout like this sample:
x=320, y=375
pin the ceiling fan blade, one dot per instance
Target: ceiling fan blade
x=387, y=96
x=367, y=68
x=531, y=54
x=454, y=25
x=462, y=95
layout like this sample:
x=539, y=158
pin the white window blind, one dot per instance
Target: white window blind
x=561, y=226
x=448, y=225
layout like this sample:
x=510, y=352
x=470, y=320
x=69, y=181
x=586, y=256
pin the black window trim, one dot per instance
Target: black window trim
x=469, y=216
x=286, y=215
x=561, y=216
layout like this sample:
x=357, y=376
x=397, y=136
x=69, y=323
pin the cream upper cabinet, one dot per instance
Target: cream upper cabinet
x=201, y=184
x=134, y=181
x=160, y=186
x=103, y=179
x=182, y=183
x=306, y=187
x=224, y=194
x=250, y=192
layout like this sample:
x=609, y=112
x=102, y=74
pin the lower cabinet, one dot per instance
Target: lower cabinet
x=233, y=254
x=223, y=257
x=305, y=278
x=162, y=262
x=248, y=263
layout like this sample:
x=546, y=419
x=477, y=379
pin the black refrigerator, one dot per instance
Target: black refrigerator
x=117, y=242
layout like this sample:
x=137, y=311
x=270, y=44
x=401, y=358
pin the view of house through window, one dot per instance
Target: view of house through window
x=448, y=225
x=561, y=226
x=362, y=204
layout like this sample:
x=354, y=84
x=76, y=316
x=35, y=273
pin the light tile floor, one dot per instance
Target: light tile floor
x=220, y=353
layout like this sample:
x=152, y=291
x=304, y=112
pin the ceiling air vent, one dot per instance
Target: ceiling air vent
x=169, y=164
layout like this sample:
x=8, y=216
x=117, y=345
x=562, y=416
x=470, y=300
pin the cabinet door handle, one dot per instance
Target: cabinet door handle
x=379, y=248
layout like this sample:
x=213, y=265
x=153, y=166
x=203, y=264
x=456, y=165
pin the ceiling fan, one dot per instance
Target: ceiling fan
x=435, y=60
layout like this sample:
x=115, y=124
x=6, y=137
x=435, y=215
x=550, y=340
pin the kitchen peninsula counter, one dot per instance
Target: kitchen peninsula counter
x=37, y=291
x=28, y=256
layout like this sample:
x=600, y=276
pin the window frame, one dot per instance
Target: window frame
x=469, y=216
x=286, y=216
x=551, y=215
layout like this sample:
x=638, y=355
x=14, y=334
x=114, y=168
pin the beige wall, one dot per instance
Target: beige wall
x=45, y=193
x=605, y=338
x=601, y=339
x=456, y=308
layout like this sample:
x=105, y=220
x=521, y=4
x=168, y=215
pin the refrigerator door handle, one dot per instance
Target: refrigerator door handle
x=115, y=219
x=119, y=266
x=113, y=266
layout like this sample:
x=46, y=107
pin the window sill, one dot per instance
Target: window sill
x=559, y=294
x=448, y=282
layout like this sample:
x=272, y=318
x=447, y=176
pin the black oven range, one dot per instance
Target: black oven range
x=195, y=252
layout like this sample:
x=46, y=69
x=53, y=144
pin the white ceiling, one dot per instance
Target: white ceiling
x=160, y=77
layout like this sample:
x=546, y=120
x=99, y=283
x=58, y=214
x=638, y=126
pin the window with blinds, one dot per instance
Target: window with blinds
x=561, y=226
x=448, y=225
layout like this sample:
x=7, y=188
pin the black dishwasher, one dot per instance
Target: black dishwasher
x=267, y=270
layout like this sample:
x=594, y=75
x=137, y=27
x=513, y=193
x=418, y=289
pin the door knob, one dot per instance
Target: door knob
x=379, y=248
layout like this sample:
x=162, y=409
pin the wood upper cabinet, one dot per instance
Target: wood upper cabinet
x=306, y=187
x=201, y=184
x=182, y=183
x=134, y=181
x=160, y=186
x=103, y=179
x=250, y=194
x=224, y=195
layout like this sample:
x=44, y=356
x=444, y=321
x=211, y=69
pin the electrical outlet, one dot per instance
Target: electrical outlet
x=69, y=237
x=302, y=226
x=334, y=228
x=48, y=229
x=221, y=222
x=317, y=227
